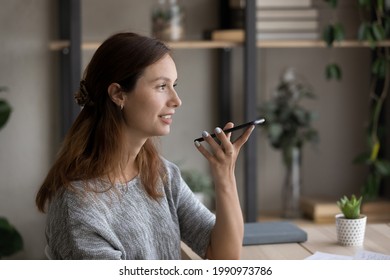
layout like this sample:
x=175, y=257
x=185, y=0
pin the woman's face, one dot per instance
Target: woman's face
x=150, y=107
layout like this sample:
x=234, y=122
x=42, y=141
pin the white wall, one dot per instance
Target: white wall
x=29, y=141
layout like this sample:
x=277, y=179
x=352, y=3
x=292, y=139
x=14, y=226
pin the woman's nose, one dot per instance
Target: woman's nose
x=175, y=101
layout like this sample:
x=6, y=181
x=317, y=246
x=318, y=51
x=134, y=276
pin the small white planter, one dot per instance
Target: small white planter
x=350, y=232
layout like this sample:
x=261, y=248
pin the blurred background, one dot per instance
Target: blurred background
x=30, y=70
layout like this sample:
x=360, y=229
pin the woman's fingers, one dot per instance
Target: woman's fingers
x=226, y=148
x=203, y=150
x=244, y=137
x=227, y=126
x=226, y=145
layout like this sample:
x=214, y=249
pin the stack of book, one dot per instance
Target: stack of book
x=323, y=210
x=320, y=210
x=279, y=19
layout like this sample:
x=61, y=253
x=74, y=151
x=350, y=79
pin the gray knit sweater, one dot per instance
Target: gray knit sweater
x=130, y=225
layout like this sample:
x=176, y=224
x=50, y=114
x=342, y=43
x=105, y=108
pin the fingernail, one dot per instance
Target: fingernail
x=205, y=134
x=197, y=144
x=218, y=130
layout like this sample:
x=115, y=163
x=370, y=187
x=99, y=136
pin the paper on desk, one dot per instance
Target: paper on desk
x=367, y=255
x=326, y=256
x=360, y=255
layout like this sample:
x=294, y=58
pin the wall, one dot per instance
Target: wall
x=30, y=139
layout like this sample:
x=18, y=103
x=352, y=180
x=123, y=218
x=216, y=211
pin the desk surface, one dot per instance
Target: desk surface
x=320, y=238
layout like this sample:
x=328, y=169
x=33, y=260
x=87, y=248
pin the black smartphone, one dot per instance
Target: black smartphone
x=255, y=122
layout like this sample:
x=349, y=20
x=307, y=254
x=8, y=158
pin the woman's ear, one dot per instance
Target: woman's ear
x=116, y=94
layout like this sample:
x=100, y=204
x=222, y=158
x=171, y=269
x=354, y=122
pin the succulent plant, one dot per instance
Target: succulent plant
x=350, y=207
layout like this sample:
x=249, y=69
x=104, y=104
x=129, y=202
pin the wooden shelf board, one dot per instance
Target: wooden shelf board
x=59, y=45
x=202, y=44
x=315, y=44
x=62, y=44
x=238, y=36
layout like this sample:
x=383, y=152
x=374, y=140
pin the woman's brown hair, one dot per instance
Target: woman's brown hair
x=92, y=146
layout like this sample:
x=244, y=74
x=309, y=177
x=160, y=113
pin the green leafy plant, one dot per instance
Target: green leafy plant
x=374, y=28
x=288, y=124
x=5, y=109
x=350, y=207
x=10, y=241
x=333, y=32
x=198, y=182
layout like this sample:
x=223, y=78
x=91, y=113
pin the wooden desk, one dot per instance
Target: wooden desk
x=320, y=238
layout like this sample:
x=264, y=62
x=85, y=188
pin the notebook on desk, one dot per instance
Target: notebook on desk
x=272, y=232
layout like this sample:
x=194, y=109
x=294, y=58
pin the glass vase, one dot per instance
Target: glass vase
x=168, y=20
x=292, y=184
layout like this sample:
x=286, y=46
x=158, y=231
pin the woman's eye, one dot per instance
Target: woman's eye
x=162, y=87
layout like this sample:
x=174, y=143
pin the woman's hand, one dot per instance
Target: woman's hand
x=222, y=157
x=228, y=232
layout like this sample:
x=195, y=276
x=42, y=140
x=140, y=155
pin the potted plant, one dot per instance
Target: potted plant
x=200, y=184
x=289, y=127
x=350, y=224
x=10, y=239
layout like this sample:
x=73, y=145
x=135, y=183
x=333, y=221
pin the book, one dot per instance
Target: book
x=272, y=233
x=231, y=35
x=282, y=3
x=286, y=14
x=321, y=210
x=272, y=3
x=284, y=25
x=377, y=206
x=376, y=211
x=280, y=13
x=238, y=35
x=298, y=35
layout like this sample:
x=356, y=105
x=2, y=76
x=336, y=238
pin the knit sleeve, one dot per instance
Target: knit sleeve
x=78, y=230
x=195, y=220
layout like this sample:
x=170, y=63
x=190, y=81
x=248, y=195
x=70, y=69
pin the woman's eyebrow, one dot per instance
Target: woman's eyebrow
x=162, y=78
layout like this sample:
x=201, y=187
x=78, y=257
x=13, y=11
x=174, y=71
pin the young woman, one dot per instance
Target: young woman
x=109, y=194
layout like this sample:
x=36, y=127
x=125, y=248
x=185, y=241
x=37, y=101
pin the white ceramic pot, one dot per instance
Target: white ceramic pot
x=350, y=232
